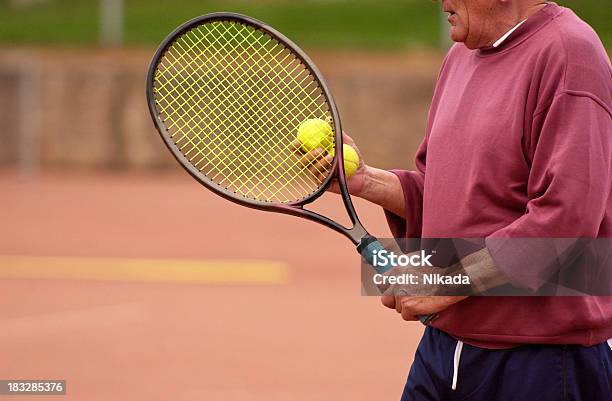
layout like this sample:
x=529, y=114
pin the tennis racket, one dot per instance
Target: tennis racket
x=227, y=94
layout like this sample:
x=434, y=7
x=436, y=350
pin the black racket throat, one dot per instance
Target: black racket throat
x=356, y=234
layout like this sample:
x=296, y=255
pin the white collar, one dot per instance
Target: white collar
x=503, y=38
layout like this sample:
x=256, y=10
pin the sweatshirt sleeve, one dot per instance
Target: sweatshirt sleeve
x=413, y=181
x=412, y=186
x=568, y=188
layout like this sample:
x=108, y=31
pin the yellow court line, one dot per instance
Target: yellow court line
x=144, y=270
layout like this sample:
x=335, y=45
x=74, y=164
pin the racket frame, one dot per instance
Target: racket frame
x=295, y=208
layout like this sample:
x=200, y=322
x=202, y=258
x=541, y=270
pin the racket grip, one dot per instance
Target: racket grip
x=368, y=248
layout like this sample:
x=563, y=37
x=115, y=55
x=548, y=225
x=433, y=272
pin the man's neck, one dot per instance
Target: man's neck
x=519, y=11
x=530, y=9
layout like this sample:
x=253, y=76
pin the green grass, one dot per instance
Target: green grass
x=351, y=23
x=369, y=24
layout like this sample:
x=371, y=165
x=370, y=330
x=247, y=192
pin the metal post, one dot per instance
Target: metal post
x=111, y=22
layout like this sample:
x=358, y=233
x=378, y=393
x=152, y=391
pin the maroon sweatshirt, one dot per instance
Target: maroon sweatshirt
x=519, y=144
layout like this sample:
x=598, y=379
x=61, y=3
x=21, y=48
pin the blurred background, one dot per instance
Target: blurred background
x=121, y=275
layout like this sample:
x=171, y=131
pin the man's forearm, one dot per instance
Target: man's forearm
x=384, y=189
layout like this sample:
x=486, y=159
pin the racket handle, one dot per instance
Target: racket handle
x=368, y=248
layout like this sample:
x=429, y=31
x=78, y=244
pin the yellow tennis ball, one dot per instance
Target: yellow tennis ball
x=315, y=133
x=351, y=160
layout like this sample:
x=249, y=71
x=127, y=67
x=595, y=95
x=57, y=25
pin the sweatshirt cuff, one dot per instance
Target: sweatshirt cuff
x=527, y=262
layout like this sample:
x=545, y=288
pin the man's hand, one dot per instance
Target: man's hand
x=412, y=307
x=372, y=184
x=318, y=162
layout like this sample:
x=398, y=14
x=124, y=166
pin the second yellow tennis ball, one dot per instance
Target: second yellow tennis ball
x=351, y=160
x=315, y=133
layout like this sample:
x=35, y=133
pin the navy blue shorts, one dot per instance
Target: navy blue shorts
x=526, y=373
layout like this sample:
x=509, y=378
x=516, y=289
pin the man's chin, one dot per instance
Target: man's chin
x=457, y=34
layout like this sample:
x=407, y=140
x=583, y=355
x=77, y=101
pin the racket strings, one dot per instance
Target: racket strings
x=231, y=98
x=215, y=177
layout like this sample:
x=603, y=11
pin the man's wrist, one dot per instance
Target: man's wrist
x=383, y=188
x=368, y=180
x=376, y=182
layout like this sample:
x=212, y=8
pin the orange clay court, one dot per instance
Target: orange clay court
x=129, y=287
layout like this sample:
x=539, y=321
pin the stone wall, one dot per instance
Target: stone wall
x=87, y=108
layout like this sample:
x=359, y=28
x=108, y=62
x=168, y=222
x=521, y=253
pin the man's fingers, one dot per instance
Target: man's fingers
x=420, y=306
x=412, y=307
x=388, y=301
x=408, y=316
x=311, y=156
x=320, y=169
x=398, y=304
x=295, y=145
x=318, y=162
